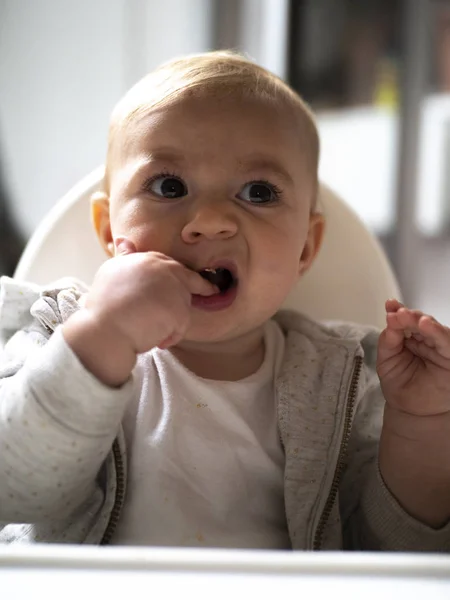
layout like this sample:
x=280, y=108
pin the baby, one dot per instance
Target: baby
x=172, y=403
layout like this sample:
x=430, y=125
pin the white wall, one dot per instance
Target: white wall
x=262, y=33
x=359, y=149
x=63, y=65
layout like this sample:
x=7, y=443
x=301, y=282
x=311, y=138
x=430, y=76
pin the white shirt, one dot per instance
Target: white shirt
x=206, y=465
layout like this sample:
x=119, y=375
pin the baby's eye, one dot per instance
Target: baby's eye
x=259, y=192
x=167, y=187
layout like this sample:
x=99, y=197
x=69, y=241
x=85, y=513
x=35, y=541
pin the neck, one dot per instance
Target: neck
x=231, y=360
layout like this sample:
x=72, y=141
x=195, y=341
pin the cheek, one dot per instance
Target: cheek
x=148, y=232
x=280, y=249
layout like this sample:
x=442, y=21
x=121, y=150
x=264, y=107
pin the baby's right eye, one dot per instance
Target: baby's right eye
x=167, y=186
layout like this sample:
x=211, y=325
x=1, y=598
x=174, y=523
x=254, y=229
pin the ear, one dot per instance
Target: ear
x=313, y=242
x=101, y=221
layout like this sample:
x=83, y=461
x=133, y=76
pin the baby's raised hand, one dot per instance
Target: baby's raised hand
x=414, y=362
x=138, y=300
x=414, y=451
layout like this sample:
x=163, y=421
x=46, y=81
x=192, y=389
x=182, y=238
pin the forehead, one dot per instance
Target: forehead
x=209, y=127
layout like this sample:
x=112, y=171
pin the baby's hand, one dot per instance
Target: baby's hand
x=138, y=300
x=414, y=362
x=414, y=369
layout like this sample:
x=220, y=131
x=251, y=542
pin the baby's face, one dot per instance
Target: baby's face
x=220, y=184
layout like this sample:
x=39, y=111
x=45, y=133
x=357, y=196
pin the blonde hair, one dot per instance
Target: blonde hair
x=222, y=73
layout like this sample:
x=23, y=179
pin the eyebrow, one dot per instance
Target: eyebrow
x=264, y=163
x=165, y=155
x=252, y=163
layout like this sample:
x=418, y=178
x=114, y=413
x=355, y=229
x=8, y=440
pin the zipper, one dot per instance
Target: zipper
x=342, y=456
x=120, y=495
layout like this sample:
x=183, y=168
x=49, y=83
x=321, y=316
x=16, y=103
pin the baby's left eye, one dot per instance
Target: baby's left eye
x=259, y=192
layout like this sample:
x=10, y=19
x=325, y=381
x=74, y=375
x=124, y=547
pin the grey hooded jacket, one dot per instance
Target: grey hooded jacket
x=63, y=465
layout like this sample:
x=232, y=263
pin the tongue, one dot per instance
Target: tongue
x=222, y=278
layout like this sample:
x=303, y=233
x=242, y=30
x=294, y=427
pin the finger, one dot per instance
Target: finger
x=172, y=340
x=439, y=334
x=390, y=345
x=124, y=246
x=426, y=353
x=429, y=342
x=409, y=318
x=406, y=322
x=392, y=321
x=392, y=339
x=397, y=324
x=198, y=285
x=405, y=319
x=392, y=305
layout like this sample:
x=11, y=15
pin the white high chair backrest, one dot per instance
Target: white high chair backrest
x=350, y=280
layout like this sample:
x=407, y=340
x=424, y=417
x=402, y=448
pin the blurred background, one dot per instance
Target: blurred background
x=376, y=72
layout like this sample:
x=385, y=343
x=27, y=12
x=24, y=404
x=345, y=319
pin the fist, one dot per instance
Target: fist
x=145, y=297
x=138, y=300
x=414, y=362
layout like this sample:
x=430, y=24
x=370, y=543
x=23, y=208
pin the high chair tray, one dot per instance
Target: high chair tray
x=51, y=572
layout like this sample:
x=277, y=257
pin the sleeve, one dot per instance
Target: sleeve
x=372, y=517
x=57, y=421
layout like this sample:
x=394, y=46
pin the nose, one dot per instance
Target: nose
x=209, y=220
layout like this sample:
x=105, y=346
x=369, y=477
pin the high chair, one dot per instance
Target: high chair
x=350, y=279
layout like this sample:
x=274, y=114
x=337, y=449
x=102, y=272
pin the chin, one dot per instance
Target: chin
x=221, y=330
x=209, y=336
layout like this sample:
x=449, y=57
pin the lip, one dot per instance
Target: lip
x=215, y=302
x=222, y=300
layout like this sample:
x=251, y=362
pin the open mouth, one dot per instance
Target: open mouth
x=221, y=277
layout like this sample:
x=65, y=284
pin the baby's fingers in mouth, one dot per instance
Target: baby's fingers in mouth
x=222, y=278
x=200, y=286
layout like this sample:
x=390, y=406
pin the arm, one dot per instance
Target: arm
x=414, y=369
x=61, y=401
x=57, y=421
x=414, y=460
x=373, y=517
